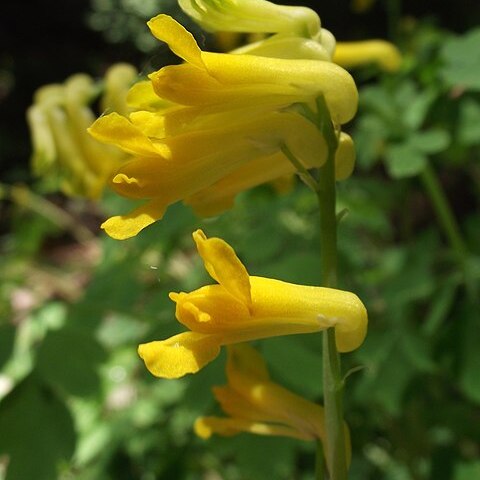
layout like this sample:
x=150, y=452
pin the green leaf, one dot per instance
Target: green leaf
x=7, y=338
x=469, y=122
x=69, y=359
x=467, y=471
x=265, y=457
x=462, y=61
x=440, y=308
x=402, y=160
x=297, y=267
x=37, y=431
x=383, y=384
x=371, y=137
x=469, y=376
x=417, y=351
x=430, y=141
x=417, y=109
x=300, y=369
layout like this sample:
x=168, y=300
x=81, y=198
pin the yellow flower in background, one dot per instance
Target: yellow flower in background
x=58, y=122
x=241, y=308
x=360, y=6
x=355, y=54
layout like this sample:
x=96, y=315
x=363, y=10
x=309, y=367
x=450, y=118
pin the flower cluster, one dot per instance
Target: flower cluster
x=58, y=120
x=247, y=102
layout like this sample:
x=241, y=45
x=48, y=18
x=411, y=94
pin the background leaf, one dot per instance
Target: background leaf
x=37, y=431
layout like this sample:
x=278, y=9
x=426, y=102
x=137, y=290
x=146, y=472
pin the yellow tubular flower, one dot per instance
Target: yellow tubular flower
x=175, y=167
x=297, y=32
x=208, y=78
x=221, y=195
x=258, y=16
x=255, y=404
x=279, y=46
x=380, y=52
x=241, y=308
x=116, y=81
x=58, y=121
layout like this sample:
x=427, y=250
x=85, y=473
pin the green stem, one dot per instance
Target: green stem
x=334, y=450
x=304, y=174
x=26, y=198
x=450, y=227
x=332, y=380
x=444, y=212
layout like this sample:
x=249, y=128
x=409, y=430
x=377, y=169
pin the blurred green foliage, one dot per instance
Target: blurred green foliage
x=77, y=403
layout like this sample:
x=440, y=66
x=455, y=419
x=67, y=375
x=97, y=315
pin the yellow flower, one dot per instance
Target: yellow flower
x=297, y=32
x=255, y=404
x=241, y=308
x=252, y=16
x=380, y=52
x=215, y=113
x=58, y=122
x=221, y=195
x=212, y=78
x=194, y=156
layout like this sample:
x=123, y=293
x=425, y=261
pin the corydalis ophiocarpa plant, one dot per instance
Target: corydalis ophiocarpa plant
x=255, y=404
x=238, y=102
x=58, y=121
x=241, y=308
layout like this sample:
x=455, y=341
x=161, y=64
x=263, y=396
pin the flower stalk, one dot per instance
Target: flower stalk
x=335, y=452
x=332, y=378
x=443, y=211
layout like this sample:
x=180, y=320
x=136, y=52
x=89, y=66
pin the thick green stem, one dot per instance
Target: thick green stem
x=332, y=380
x=334, y=451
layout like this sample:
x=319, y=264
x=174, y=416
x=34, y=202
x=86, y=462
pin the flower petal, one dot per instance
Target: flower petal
x=117, y=130
x=309, y=76
x=344, y=157
x=381, y=52
x=284, y=308
x=179, y=355
x=142, y=96
x=245, y=359
x=227, y=427
x=180, y=41
x=252, y=16
x=222, y=263
x=122, y=227
x=248, y=380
